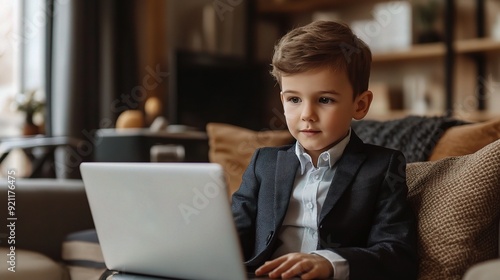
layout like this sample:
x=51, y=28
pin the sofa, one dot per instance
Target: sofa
x=453, y=177
x=455, y=193
x=47, y=211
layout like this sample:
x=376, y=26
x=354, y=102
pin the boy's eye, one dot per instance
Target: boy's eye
x=294, y=99
x=325, y=100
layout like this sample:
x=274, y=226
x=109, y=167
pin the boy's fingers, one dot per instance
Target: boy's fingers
x=288, y=266
x=318, y=271
x=277, y=267
x=282, y=269
x=298, y=269
x=268, y=266
x=312, y=274
x=312, y=267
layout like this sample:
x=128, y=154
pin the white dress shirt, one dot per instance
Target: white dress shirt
x=299, y=232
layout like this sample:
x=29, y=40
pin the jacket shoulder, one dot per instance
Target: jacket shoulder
x=275, y=149
x=357, y=145
x=374, y=153
x=269, y=155
x=380, y=149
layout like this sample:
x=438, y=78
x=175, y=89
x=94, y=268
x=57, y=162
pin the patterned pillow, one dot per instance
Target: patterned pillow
x=232, y=147
x=457, y=201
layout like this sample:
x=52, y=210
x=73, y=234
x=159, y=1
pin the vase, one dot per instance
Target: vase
x=29, y=128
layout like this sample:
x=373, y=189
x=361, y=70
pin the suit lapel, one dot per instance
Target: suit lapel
x=347, y=167
x=286, y=167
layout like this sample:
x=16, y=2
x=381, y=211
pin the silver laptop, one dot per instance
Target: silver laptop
x=168, y=220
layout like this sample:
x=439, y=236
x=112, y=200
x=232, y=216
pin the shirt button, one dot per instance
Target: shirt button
x=316, y=176
x=310, y=205
x=325, y=157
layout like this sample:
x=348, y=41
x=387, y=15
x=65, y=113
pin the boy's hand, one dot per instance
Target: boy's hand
x=306, y=266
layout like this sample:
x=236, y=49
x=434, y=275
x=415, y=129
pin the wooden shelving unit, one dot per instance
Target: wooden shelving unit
x=447, y=51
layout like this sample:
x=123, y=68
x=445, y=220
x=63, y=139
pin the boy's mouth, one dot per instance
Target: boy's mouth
x=309, y=132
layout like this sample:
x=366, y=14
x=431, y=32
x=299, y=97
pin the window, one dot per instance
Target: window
x=22, y=70
x=8, y=58
x=22, y=59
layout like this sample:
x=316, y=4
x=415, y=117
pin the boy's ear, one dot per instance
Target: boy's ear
x=362, y=104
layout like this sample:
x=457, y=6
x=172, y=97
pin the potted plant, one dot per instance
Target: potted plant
x=426, y=15
x=30, y=102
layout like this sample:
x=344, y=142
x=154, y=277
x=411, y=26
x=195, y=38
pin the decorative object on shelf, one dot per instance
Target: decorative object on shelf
x=130, y=119
x=493, y=92
x=426, y=15
x=381, y=103
x=153, y=108
x=389, y=29
x=495, y=33
x=159, y=124
x=415, y=93
x=32, y=103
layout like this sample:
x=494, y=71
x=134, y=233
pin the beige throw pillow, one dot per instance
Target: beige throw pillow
x=466, y=139
x=457, y=201
x=232, y=147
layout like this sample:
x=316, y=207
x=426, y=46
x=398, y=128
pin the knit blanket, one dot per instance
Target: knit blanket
x=414, y=136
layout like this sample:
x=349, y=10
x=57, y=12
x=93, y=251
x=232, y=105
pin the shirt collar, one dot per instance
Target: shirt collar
x=326, y=159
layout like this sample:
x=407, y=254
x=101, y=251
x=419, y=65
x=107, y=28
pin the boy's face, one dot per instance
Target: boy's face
x=319, y=107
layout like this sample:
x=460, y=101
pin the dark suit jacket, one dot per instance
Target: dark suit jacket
x=365, y=218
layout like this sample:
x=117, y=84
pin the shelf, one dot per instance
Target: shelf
x=415, y=52
x=477, y=45
x=303, y=6
x=438, y=50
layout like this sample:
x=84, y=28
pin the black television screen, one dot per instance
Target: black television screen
x=219, y=89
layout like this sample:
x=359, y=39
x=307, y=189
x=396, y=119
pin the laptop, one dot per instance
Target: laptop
x=169, y=220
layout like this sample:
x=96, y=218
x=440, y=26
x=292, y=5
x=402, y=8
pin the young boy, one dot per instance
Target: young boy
x=329, y=205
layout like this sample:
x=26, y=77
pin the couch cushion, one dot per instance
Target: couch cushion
x=82, y=254
x=45, y=205
x=31, y=265
x=489, y=270
x=414, y=136
x=457, y=200
x=82, y=248
x=466, y=139
x=232, y=147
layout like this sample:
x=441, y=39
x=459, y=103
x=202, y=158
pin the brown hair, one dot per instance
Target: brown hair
x=323, y=44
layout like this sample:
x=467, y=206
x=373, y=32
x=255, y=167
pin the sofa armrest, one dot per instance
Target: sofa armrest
x=46, y=211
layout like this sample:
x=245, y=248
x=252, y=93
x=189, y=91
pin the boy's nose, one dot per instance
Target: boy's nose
x=308, y=113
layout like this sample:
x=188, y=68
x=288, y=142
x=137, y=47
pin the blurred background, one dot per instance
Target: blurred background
x=74, y=68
